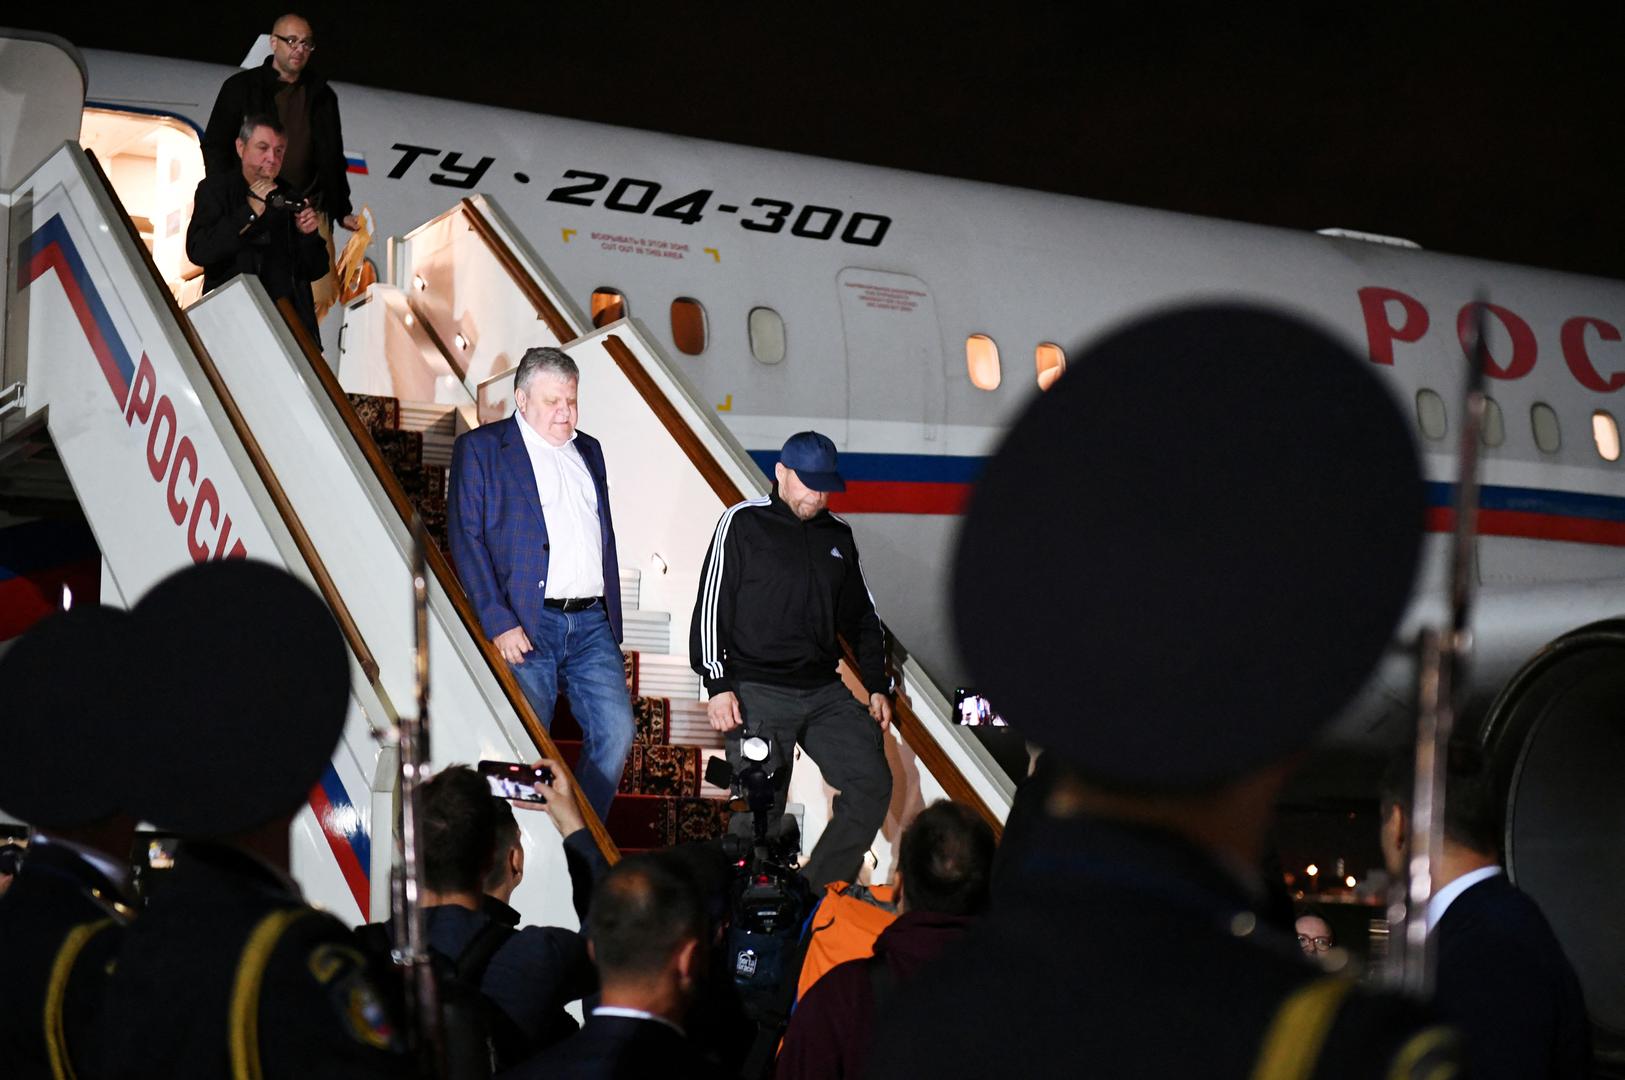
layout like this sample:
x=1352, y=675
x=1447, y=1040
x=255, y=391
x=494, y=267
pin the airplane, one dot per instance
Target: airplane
x=911, y=318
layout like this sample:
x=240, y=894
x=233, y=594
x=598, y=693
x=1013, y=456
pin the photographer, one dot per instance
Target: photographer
x=246, y=222
x=532, y=972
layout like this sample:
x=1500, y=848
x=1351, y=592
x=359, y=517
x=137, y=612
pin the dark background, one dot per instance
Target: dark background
x=1498, y=135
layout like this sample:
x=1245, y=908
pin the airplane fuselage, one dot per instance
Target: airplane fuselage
x=880, y=278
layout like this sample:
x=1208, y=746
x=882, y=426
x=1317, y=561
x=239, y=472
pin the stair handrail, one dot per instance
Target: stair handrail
x=927, y=749
x=441, y=567
x=546, y=310
x=279, y=497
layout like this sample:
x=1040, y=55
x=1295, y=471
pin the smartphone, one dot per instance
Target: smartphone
x=510, y=780
x=972, y=709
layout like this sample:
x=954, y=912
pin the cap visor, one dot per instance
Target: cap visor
x=821, y=481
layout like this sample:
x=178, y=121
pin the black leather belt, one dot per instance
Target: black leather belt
x=573, y=603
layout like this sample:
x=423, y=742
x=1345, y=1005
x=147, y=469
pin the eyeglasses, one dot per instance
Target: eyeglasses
x=297, y=43
x=1320, y=944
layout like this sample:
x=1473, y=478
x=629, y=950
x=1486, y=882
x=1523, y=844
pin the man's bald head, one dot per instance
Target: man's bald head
x=292, y=42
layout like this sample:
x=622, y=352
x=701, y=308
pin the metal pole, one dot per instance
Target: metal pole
x=1441, y=664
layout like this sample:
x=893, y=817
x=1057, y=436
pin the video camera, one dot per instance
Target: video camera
x=293, y=204
x=769, y=899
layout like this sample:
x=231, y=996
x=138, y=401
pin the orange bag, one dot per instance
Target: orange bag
x=844, y=927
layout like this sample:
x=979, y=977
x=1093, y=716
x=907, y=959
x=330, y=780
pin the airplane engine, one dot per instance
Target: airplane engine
x=1556, y=741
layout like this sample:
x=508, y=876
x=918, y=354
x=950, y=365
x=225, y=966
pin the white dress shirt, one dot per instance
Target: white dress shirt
x=637, y=1014
x=575, y=565
x=1441, y=900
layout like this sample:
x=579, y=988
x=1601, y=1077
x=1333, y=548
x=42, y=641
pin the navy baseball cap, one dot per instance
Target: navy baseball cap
x=812, y=457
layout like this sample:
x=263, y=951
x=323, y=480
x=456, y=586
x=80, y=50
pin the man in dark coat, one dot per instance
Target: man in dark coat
x=1231, y=545
x=1501, y=975
x=649, y=940
x=286, y=88
x=65, y=913
x=246, y=221
x=536, y=971
x=945, y=863
x=229, y=972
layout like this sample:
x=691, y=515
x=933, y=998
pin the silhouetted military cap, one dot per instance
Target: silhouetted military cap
x=1191, y=552
x=252, y=683
x=67, y=706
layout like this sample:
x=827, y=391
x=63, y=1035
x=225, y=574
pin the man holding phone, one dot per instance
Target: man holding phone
x=532, y=972
x=248, y=222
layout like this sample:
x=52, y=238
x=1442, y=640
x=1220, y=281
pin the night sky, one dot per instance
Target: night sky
x=1497, y=135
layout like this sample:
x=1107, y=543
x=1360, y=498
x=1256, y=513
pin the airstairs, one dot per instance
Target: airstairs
x=222, y=431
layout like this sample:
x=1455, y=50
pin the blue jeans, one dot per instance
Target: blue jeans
x=577, y=653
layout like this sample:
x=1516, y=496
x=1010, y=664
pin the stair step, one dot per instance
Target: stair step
x=437, y=424
x=652, y=821
x=646, y=631
x=667, y=771
x=651, y=720
x=376, y=413
x=688, y=726
x=661, y=673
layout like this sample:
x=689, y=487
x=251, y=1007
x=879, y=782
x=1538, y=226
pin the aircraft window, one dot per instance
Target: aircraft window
x=688, y=325
x=766, y=335
x=1495, y=429
x=982, y=361
x=607, y=305
x=1544, y=420
x=1430, y=414
x=1051, y=364
x=1605, y=431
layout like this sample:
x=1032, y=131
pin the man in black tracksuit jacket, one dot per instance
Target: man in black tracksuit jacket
x=780, y=582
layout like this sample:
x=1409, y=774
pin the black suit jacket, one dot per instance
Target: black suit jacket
x=168, y=1009
x=1119, y=951
x=226, y=238
x=1504, y=981
x=56, y=892
x=617, y=1048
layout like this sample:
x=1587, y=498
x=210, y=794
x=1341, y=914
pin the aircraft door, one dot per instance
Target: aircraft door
x=894, y=379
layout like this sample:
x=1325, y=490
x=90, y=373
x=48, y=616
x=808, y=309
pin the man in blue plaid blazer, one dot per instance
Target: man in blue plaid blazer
x=518, y=488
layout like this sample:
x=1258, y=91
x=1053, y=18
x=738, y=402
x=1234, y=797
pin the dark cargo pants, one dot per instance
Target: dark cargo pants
x=839, y=734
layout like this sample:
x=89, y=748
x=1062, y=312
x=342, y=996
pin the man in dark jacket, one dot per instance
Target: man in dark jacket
x=649, y=937
x=228, y=972
x=945, y=866
x=66, y=911
x=247, y=222
x=1502, y=975
x=780, y=583
x=285, y=87
x=1220, y=599
x=535, y=971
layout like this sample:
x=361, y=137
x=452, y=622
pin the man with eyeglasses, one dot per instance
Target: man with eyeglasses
x=308, y=110
x=1314, y=933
